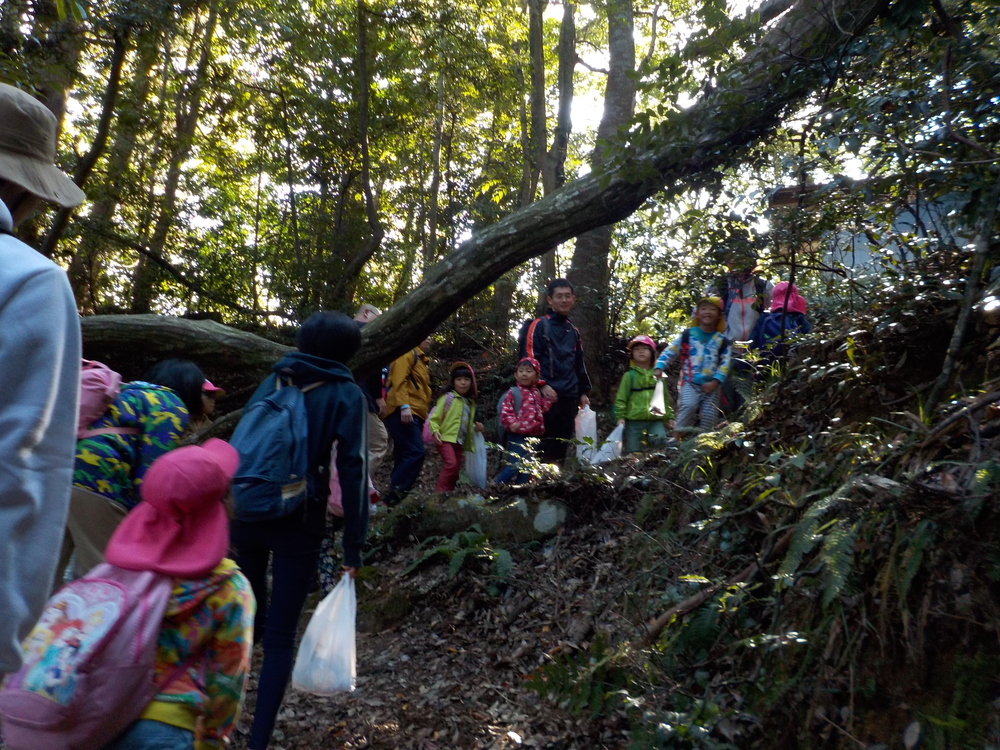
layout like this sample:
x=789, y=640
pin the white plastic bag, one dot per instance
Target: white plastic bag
x=586, y=433
x=610, y=448
x=327, y=661
x=475, y=463
x=659, y=404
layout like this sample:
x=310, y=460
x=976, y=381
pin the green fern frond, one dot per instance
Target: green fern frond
x=457, y=560
x=805, y=533
x=837, y=555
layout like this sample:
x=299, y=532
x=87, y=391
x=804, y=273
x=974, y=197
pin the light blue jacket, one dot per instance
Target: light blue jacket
x=39, y=390
x=708, y=356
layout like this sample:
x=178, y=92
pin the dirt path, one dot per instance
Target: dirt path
x=452, y=674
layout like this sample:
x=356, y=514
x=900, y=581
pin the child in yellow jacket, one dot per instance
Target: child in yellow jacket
x=453, y=421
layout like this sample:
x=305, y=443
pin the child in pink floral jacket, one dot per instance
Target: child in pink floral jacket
x=522, y=415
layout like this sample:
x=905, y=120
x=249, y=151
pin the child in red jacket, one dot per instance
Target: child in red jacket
x=522, y=415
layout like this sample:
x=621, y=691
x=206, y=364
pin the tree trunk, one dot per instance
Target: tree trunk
x=85, y=266
x=794, y=58
x=134, y=342
x=589, y=269
x=352, y=270
x=553, y=162
x=146, y=273
x=431, y=246
x=85, y=166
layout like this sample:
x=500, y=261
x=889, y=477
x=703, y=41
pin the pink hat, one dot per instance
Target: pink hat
x=796, y=302
x=644, y=340
x=212, y=390
x=180, y=528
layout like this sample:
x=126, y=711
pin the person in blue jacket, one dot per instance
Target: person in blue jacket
x=556, y=343
x=337, y=411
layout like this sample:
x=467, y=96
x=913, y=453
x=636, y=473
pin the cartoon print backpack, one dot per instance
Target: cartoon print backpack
x=426, y=430
x=88, y=663
x=272, y=440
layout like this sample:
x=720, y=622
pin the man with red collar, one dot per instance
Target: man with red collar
x=555, y=342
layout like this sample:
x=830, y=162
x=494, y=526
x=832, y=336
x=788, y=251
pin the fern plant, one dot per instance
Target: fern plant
x=469, y=545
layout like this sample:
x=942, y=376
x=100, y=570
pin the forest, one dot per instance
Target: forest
x=823, y=570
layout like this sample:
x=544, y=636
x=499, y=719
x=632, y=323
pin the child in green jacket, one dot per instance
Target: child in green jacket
x=452, y=423
x=643, y=429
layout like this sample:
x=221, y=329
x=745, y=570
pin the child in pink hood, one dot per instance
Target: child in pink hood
x=785, y=319
x=181, y=529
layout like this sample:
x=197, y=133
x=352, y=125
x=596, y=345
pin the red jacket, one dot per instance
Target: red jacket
x=531, y=417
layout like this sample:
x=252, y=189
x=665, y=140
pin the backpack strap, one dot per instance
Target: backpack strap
x=291, y=383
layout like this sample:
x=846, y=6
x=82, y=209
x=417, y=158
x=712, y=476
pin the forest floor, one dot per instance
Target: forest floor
x=451, y=674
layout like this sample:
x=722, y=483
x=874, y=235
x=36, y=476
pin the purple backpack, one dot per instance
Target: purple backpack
x=88, y=663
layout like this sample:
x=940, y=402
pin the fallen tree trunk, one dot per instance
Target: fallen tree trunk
x=134, y=342
x=802, y=52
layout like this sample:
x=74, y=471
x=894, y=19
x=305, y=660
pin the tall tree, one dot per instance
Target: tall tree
x=589, y=269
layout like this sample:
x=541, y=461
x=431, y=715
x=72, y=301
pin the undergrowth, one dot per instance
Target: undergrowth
x=870, y=541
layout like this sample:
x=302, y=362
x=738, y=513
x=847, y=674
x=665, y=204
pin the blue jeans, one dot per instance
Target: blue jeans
x=517, y=450
x=407, y=452
x=293, y=550
x=147, y=734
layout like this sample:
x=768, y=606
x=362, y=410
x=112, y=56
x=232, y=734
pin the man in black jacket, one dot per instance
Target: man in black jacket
x=555, y=342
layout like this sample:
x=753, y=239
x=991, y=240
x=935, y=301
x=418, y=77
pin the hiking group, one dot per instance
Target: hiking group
x=179, y=557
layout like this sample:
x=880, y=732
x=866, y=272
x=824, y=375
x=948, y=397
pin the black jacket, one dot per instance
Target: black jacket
x=555, y=342
x=337, y=411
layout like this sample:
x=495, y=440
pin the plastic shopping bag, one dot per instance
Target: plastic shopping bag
x=327, y=662
x=586, y=433
x=610, y=448
x=475, y=463
x=659, y=404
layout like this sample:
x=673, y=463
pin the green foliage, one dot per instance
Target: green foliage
x=589, y=680
x=464, y=547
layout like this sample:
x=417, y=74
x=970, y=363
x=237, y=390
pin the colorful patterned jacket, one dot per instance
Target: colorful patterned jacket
x=113, y=465
x=531, y=417
x=707, y=356
x=208, y=622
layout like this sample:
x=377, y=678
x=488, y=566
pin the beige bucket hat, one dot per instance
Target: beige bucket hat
x=28, y=149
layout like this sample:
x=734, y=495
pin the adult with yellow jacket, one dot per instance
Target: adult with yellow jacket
x=407, y=402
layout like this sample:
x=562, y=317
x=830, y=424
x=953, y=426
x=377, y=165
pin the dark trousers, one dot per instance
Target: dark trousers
x=560, y=428
x=407, y=451
x=293, y=550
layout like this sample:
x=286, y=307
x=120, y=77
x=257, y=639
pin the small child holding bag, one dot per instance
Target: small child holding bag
x=452, y=423
x=643, y=428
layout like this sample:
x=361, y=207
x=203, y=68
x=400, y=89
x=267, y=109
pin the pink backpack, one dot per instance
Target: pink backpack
x=426, y=432
x=88, y=663
x=99, y=386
